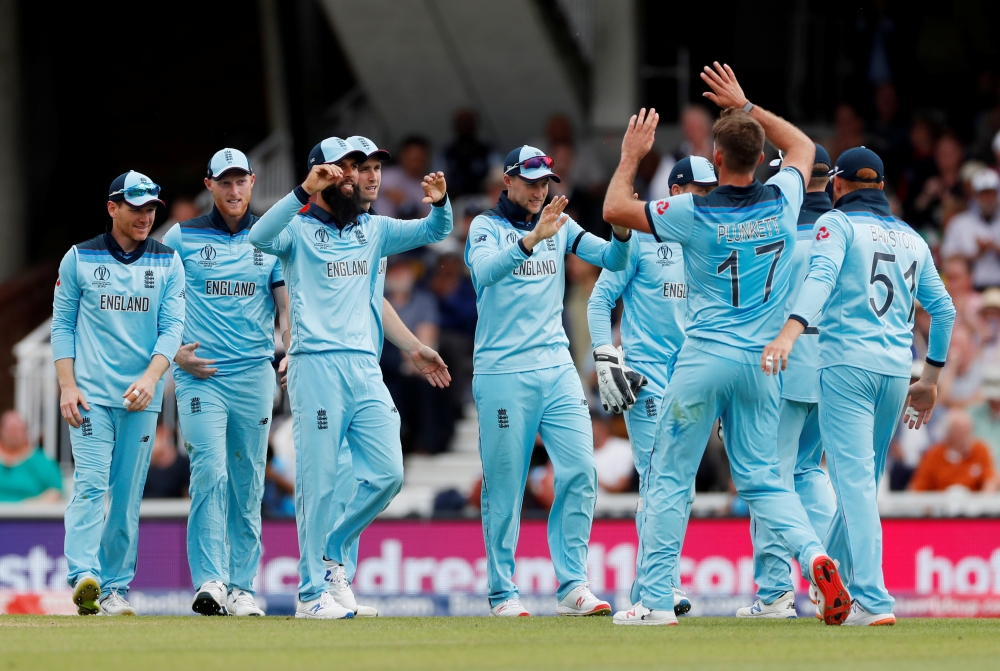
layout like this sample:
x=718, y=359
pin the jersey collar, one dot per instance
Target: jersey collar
x=120, y=254
x=515, y=214
x=733, y=191
x=219, y=223
x=865, y=200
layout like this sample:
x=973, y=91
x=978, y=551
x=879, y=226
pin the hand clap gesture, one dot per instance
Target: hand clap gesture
x=640, y=134
x=726, y=91
x=549, y=223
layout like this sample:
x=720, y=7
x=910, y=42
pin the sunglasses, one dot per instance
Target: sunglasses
x=138, y=191
x=534, y=163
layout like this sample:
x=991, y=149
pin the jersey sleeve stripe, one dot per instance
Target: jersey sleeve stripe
x=576, y=243
x=649, y=220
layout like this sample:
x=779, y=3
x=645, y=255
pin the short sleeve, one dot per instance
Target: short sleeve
x=277, y=276
x=789, y=181
x=671, y=219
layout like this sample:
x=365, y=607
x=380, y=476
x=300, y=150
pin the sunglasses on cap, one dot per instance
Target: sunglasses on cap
x=138, y=191
x=534, y=163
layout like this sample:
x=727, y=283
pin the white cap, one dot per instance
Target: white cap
x=228, y=159
x=985, y=180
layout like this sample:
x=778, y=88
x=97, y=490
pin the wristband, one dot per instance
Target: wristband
x=749, y=106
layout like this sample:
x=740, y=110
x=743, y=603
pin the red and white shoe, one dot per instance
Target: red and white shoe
x=828, y=591
x=581, y=602
x=641, y=616
x=860, y=617
x=509, y=608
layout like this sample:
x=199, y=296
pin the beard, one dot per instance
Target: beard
x=345, y=208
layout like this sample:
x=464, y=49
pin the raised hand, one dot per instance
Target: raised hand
x=640, y=134
x=552, y=219
x=322, y=176
x=726, y=91
x=434, y=187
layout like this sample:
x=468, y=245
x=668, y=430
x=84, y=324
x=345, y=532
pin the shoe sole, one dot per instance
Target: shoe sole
x=643, y=623
x=204, y=604
x=768, y=616
x=304, y=616
x=682, y=608
x=884, y=622
x=603, y=609
x=836, y=600
x=85, y=596
x=365, y=611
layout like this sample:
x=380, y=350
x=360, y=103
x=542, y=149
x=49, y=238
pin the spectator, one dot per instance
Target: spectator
x=989, y=327
x=279, y=489
x=961, y=460
x=986, y=415
x=169, y=472
x=612, y=456
x=959, y=384
x=919, y=165
x=958, y=280
x=419, y=404
x=583, y=177
x=402, y=195
x=457, y=313
x=849, y=131
x=887, y=133
x=907, y=446
x=26, y=474
x=975, y=233
x=467, y=159
x=696, y=128
x=940, y=191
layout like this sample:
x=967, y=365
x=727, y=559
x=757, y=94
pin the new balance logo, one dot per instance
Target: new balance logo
x=263, y=421
x=258, y=257
x=196, y=404
x=149, y=279
x=502, y=420
x=650, y=407
x=321, y=421
x=145, y=439
x=86, y=427
x=394, y=411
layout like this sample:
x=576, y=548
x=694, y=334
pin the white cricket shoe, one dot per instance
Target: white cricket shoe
x=682, y=604
x=210, y=599
x=782, y=608
x=859, y=617
x=241, y=603
x=86, y=593
x=323, y=608
x=640, y=615
x=509, y=608
x=581, y=602
x=828, y=590
x=340, y=589
x=115, y=604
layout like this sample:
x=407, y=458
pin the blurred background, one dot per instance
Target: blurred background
x=89, y=91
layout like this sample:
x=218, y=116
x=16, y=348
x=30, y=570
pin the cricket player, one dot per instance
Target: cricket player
x=525, y=382
x=738, y=242
x=225, y=385
x=654, y=296
x=330, y=253
x=117, y=320
x=800, y=449
x=385, y=324
x=867, y=271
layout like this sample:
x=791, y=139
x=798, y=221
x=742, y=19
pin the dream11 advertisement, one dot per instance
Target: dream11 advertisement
x=940, y=567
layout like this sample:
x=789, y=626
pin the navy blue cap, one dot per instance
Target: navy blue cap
x=512, y=165
x=333, y=150
x=859, y=158
x=692, y=169
x=135, y=189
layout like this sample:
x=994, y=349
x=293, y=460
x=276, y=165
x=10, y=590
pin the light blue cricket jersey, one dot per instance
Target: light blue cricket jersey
x=112, y=311
x=866, y=271
x=654, y=295
x=738, y=243
x=230, y=305
x=800, y=381
x=378, y=302
x=519, y=294
x=331, y=271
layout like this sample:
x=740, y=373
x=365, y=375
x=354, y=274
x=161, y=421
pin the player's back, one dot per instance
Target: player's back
x=868, y=319
x=738, y=244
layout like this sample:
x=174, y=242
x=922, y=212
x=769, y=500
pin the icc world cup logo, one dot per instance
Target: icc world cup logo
x=512, y=238
x=208, y=253
x=665, y=256
x=322, y=235
x=101, y=274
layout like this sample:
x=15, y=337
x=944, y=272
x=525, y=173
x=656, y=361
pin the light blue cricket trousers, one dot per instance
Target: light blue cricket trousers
x=225, y=421
x=705, y=386
x=111, y=449
x=870, y=404
x=346, y=488
x=512, y=408
x=641, y=424
x=800, y=452
x=337, y=396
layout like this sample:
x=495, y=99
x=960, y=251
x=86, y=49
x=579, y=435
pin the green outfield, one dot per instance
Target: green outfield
x=35, y=642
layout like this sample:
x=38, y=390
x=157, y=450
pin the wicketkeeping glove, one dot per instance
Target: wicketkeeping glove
x=619, y=385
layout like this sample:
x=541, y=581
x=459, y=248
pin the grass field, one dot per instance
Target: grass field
x=45, y=642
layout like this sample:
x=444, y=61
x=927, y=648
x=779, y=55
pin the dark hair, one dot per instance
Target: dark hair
x=418, y=140
x=740, y=139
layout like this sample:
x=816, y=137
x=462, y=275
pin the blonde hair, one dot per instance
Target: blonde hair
x=864, y=173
